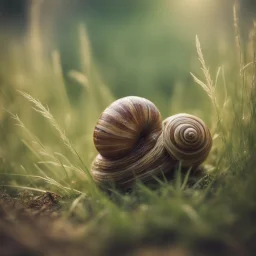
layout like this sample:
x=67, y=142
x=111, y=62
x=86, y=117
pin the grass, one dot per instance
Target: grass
x=52, y=149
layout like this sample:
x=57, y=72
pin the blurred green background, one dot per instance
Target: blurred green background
x=137, y=47
x=140, y=47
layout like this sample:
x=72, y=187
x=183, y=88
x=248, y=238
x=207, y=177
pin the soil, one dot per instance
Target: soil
x=32, y=225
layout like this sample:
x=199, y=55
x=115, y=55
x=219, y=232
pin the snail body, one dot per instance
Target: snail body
x=133, y=142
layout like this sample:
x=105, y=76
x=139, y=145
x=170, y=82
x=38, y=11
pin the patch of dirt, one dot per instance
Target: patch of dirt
x=33, y=225
x=27, y=204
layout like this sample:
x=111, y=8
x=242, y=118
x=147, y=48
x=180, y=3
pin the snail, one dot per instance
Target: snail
x=133, y=142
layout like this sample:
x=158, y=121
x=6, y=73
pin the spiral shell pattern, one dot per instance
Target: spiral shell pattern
x=133, y=143
x=187, y=139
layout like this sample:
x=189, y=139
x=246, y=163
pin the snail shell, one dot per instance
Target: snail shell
x=123, y=124
x=133, y=142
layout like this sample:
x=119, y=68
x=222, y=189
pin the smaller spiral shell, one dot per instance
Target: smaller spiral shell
x=187, y=139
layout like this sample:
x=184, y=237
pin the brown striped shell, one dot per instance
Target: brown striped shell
x=187, y=139
x=123, y=124
x=133, y=143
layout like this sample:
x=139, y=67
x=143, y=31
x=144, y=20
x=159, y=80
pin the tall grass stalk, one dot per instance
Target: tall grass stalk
x=45, y=112
x=210, y=88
